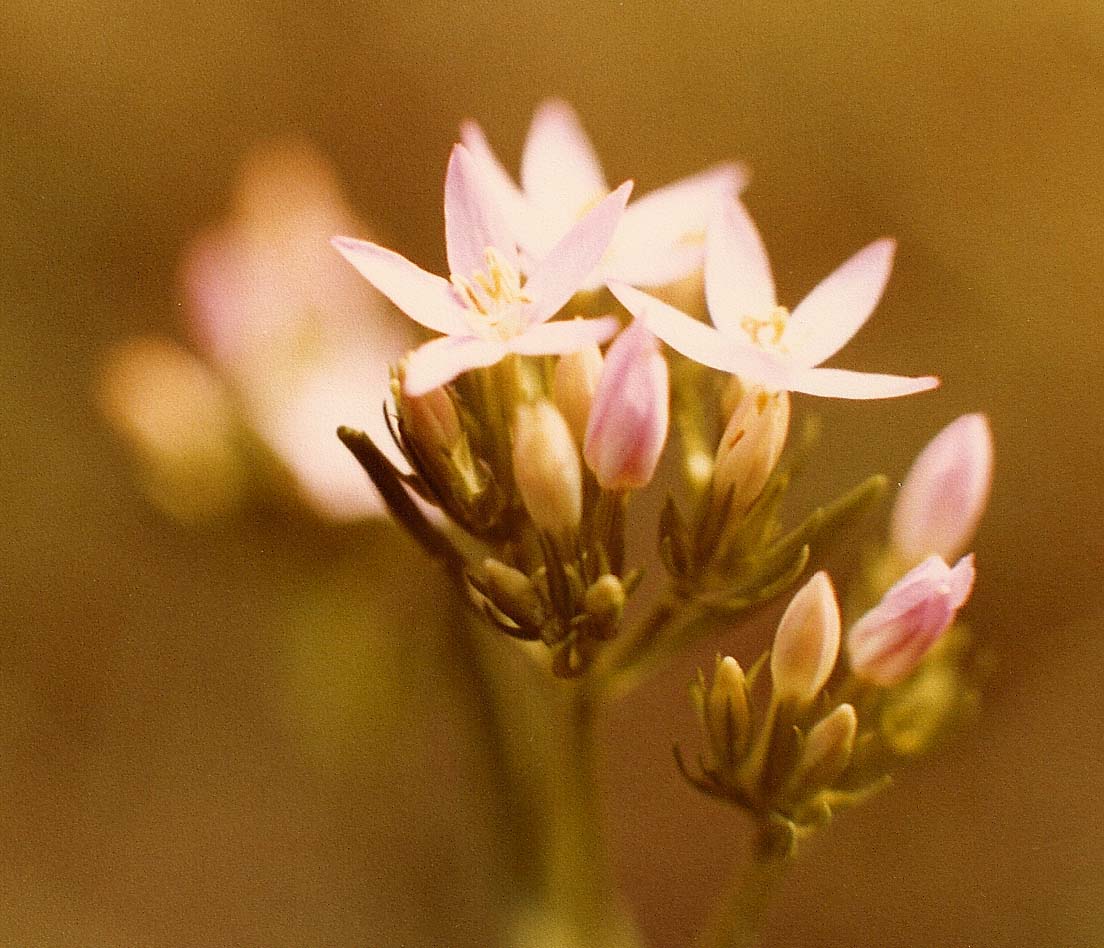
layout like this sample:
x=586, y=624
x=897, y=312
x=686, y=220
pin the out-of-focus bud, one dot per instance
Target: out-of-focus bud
x=806, y=643
x=547, y=470
x=180, y=422
x=574, y=385
x=889, y=641
x=750, y=447
x=945, y=493
x=726, y=712
x=828, y=748
x=919, y=711
x=513, y=593
x=604, y=601
x=628, y=419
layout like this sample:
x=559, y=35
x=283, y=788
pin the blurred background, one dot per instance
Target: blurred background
x=243, y=733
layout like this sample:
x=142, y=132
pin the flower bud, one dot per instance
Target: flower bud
x=574, y=385
x=628, y=419
x=750, y=447
x=828, y=747
x=944, y=493
x=547, y=470
x=887, y=643
x=726, y=711
x=429, y=420
x=513, y=593
x=604, y=600
x=806, y=643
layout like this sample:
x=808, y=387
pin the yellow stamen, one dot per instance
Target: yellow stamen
x=493, y=297
x=775, y=323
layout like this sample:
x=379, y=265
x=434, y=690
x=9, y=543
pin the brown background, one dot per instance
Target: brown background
x=193, y=752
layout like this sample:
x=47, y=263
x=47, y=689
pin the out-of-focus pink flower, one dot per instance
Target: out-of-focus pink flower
x=485, y=312
x=629, y=415
x=807, y=643
x=659, y=240
x=945, y=492
x=302, y=343
x=889, y=641
x=758, y=340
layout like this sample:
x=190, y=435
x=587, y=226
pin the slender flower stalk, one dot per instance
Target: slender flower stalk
x=485, y=311
x=659, y=240
x=763, y=343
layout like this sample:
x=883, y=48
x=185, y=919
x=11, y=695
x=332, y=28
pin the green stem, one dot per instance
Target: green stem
x=741, y=915
x=516, y=814
x=582, y=901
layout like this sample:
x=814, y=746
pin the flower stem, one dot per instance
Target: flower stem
x=740, y=916
x=583, y=904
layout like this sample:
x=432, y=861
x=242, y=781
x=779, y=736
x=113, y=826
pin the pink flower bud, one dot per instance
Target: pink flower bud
x=806, y=643
x=887, y=644
x=574, y=385
x=547, y=470
x=945, y=493
x=628, y=418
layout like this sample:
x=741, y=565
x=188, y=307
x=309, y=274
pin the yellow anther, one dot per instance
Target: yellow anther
x=492, y=296
x=774, y=325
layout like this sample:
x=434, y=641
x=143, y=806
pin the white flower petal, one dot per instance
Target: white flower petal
x=473, y=220
x=738, y=281
x=564, y=336
x=700, y=342
x=662, y=235
x=439, y=361
x=424, y=297
x=559, y=275
x=824, y=322
x=509, y=197
x=560, y=172
x=841, y=383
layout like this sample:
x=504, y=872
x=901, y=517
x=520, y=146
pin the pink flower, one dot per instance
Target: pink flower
x=887, y=643
x=945, y=493
x=628, y=418
x=758, y=340
x=290, y=329
x=485, y=311
x=660, y=238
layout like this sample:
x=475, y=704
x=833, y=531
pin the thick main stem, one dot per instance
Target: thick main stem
x=583, y=905
x=741, y=915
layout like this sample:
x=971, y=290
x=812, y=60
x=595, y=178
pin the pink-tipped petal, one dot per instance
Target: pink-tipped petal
x=662, y=235
x=945, y=492
x=424, y=297
x=700, y=342
x=560, y=173
x=738, y=280
x=473, y=220
x=564, y=336
x=559, y=275
x=824, y=322
x=439, y=361
x=842, y=383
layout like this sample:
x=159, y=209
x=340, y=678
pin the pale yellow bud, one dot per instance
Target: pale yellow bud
x=727, y=712
x=750, y=447
x=604, y=600
x=807, y=643
x=547, y=469
x=828, y=747
x=573, y=387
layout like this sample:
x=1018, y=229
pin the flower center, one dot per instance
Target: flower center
x=768, y=332
x=493, y=297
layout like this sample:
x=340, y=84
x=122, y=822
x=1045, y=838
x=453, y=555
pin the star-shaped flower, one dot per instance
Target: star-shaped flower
x=485, y=311
x=660, y=238
x=763, y=343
